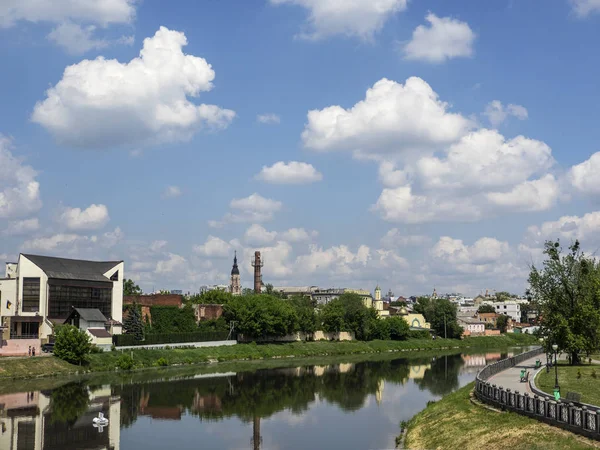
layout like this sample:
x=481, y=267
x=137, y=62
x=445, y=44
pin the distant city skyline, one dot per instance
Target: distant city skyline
x=414, y=145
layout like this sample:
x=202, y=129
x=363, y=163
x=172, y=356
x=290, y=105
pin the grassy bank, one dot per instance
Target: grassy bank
x=109, y=361
x=582, y=379
x=455, y=423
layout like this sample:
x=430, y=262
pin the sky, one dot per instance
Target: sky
x=406, y=143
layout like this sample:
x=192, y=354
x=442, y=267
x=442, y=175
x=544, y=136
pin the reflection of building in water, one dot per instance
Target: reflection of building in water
x=418, y=372
x=379, y=393
x=158, y=412
x=474, y=360
x=27, y=422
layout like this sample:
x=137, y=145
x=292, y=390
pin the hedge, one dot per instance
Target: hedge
x=169, y=338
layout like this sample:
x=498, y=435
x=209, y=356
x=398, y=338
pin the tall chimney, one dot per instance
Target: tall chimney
x=257, y=264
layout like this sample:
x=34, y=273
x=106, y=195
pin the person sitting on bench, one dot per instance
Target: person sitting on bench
x=524, y=376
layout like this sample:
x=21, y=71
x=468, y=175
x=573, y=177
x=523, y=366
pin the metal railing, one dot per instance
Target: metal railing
x=578, y=418
x=24, y=336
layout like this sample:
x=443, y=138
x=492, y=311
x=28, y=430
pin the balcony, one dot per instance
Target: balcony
x=24, y=336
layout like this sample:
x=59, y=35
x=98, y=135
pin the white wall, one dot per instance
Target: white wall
x=8, y=292
x=117, y=292
x=511, y=309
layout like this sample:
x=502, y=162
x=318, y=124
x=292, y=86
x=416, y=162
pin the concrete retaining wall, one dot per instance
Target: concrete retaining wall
x=179, y=344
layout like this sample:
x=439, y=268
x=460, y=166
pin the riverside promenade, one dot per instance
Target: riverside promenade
x=499, y=384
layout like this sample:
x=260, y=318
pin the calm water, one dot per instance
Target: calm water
x=349, y=406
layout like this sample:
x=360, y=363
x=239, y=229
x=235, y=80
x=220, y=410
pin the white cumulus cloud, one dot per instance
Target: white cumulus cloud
x=497, y=113
x=393, y=119
x=269, y=119
x=585, y=176
x=444, y=39
x=19, y=190
x=22, y=227
x=103, y=103
x=91, y=218
x=171, y=192
x=293, y=172
x=214, y=247
x=258, y=235
x=358, y=18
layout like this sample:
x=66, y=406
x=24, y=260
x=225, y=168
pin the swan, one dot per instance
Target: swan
x=100, y=420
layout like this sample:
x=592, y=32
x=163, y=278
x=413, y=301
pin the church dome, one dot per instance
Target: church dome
x=235, y=270
x=403, y=311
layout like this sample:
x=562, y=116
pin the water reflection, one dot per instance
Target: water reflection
x=296, y=407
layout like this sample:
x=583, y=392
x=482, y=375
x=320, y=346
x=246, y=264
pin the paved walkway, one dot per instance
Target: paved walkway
x=511, y=378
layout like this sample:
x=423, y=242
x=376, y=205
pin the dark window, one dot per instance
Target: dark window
x=63, y=298
x=26, y=436
x=115, y=276
x=31, y=294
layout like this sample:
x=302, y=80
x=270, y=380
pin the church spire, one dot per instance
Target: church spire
x=235, y=270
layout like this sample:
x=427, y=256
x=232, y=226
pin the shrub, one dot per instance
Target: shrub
x=161, y=362
x=125, y=362
x=171, y=319
x=72, y=344
x=419, y=334
x=399, y=329
x=96, y=349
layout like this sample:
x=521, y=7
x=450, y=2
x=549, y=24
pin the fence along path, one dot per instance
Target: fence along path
x=499, y=385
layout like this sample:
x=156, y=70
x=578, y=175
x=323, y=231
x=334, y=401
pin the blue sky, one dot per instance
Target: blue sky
x=414, y=144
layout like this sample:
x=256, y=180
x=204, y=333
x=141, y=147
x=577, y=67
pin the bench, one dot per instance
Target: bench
x=538, y=364
x=525, y=378
x=573, y=397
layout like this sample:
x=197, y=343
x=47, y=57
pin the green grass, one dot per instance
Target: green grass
x=586, y=384
x=455, y=423
x=101, y=362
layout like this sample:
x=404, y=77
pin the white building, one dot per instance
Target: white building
x=474, y=326
x=41, y=291
x=509, y=308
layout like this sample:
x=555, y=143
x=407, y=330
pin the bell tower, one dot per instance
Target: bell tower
x=235, y=287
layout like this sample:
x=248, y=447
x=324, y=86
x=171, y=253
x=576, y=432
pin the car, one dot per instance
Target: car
x=48, y=348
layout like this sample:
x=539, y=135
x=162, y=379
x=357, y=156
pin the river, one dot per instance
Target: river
x=325, y=404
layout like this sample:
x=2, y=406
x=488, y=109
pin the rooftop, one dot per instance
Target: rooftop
x=72, y=269
x=91, y=314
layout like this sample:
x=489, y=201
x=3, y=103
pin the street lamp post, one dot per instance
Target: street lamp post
x=555, y=348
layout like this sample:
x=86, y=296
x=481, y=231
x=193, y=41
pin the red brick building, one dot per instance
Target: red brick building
x=147, y=301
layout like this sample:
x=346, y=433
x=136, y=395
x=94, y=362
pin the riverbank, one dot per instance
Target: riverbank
x=584, y=379
x=454, y=422
x=15, y=368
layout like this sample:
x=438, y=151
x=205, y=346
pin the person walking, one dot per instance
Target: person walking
x=33, y=351
x=30, y=350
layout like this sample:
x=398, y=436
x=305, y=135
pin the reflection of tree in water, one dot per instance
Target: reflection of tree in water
x=265, y=392
x=69, y=402
x=442, y=377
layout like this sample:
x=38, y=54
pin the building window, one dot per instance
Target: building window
x=63, y=297
x=115, y=276
x=31, y=294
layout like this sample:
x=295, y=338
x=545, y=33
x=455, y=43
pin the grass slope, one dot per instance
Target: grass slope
x=49, y=366
x=455, y=423
x=586, y=385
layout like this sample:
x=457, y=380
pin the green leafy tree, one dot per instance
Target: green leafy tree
x=261, y=315
x=307, y=315
x=130, y=288
x=172, y=319
x=349, y=313
x=212, y=297
x=72, y=344
x=399, y=328
x=380, y=330
x=486, y=309
x=502, y=323
x=133, y=323
x=567, y=290
x=441, y=314
x=502, y=296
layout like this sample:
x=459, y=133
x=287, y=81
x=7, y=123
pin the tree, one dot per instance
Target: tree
x=567, y=291
x=261, y=315
x=349, y=313
x=502, y=323
x=441, y=314
x=130, y=288
x=486, y=309
x=212, y=297
x=133, y=323
x=72, y=344
x=502, y=296
x=399, y=328
x=305, y=310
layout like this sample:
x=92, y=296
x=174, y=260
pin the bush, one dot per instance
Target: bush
x=419, y=334
x=96, y=349
x=72, y=344
x=161, y=362
x=381, y=330
x=399, y=329
x=125, y=362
